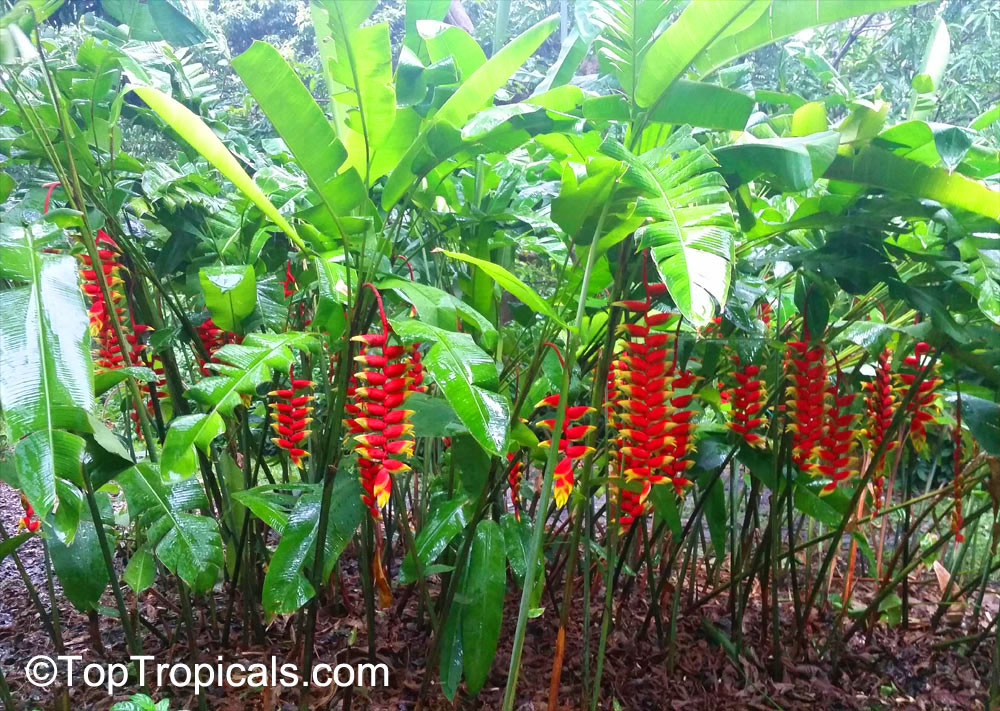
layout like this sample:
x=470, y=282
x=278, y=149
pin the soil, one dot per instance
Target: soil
x=894, y=668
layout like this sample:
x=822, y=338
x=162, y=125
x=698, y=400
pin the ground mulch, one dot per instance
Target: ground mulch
x=891, y=669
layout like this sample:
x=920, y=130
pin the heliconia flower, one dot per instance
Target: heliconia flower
x=515, y=472
x=291, y=414
x=747, y=400
x=922, y=406
x=764, y=311
x=806, y=402
x=570, y=447
x=956, y=482
x=28, y=521
x=377, y=421
x=653, y=409
x=880, y=406
x=288, y=283
x=838, y=459
x=212, y=339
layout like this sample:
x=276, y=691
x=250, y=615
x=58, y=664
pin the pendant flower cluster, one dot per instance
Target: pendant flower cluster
x=571, y=447
x=378, y=422
x=291, y=410
x=747, y=400
x=212, y=339
x=838, y=459
x=28, y=521
x=805, y=405
x=921, y=407
x=515, y=473
x=880, y=406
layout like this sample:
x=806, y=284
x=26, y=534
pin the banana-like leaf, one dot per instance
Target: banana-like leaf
x=196, y=132
x=286, y=587
x=790, y=163
x=777, y=19
x=670, y=54
x=188, y=544
x=447, y=521
x=923, y=100
x=440, y=308
x=46, y=373
x=41, y=458
x=230, y=293
x=474, y=93
x=80, y=567
x=691, y=233
x=628, y=27
x=243, y=367
x=528, y=296
x=140, y=573
x=296, y=116
x=483, y=613
x=878, y=168
x=468, y=378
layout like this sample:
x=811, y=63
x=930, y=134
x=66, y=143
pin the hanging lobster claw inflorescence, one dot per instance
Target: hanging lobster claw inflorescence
x=379, y=423
x=212, y=339
x=655, y=414
x=838, y=460
x=880, y=406
x=806, y=402
x=747, y=401
x=515, y=473
x=922, y=406
x=28, y=522
x=291, y=412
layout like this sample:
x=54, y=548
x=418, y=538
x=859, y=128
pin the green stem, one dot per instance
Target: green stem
x=543, y=504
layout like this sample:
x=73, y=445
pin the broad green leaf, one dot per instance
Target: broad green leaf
x=10, y=546
x=433, y=417
x=982, y=417
x=780, y=19
x=417, y=10
x=140, y=572
x=792, y=163
x=244, y=367
x=511, y=283
x=468, y=378
x=986, y=118
x=187, y=544
x=286, y=586
x=192, y=129
x=43, y=456
x=483, y=613
x=577, y=200
x=447, y=521
x=664, y=501
x=267, y=504
x=179, y=457
x=107, y=379
x=230, y=294
x=474, y=93
x=809, y=119
x=444, y=40
x=46, y=380
x=673, y=51
x=438, y=307
x=878, y=168
x=80, y=567
x=164, y=20
x=691, y=231
x=451, y=646
x=297, y=118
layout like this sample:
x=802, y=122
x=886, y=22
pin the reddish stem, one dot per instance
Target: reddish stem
x=559, y=355
x=408, y=265
x=381, y=308
x=48, y=195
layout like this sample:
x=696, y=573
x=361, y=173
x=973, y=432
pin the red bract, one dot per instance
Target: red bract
x=514, y=475
x=212, y=339
x=379, y=424
x=805, y=405
x=921, y=407
x=880, y=406
x=747, y=401
x=28, y=521
x=838, y=459
x=288, y=283
x=570, y=446
x=291, y=412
